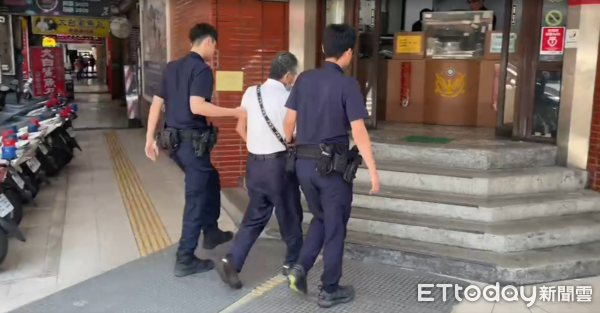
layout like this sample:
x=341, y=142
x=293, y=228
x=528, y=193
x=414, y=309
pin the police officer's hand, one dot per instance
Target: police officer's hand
x=240, y=112
x=374, y=181
x=151, y=150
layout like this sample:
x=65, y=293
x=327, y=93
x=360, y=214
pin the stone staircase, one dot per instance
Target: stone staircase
x=503, y=213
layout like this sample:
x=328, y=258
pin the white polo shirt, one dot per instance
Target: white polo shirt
x=261, y=139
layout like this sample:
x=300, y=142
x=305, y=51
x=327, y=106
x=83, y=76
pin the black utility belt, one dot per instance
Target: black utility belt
x=332, y=158
x=203, y=140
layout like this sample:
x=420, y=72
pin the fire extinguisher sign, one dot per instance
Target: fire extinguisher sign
x=553, y=41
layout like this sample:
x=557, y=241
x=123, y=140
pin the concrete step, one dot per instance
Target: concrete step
x=503, y=155
x=473, y=208
x=517, y=268
x=367, y=240
x=93, y=97
x=511, y=236
x=484, y=183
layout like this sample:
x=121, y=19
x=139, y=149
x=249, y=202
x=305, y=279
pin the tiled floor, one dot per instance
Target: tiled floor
x=80, y=228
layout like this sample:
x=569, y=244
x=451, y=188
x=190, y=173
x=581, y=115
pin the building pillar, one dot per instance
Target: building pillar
x=578, y=85
x=303, y=32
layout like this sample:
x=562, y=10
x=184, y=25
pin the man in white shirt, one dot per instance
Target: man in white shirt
x=268, y=184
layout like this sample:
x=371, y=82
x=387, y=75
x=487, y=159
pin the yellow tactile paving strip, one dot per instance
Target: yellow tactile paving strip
x=255, y=293
x=148, y=228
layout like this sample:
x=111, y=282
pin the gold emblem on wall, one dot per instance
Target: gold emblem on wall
x=450, y=84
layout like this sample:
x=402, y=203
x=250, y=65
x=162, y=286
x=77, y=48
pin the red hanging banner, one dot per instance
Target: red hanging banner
x=48, y=70
x=496, y=85
x=25, y=50
x=405, y=77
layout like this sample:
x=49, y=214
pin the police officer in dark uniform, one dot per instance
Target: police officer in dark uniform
x=477, y=5
x=186, y=90
x=324, y=104
x=269, y=186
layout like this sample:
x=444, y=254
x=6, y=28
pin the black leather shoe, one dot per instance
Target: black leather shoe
x=297, y=279
x=343, y=294
x=228, y=273
x=190, y=264
x=216, y=238
x=286, y=269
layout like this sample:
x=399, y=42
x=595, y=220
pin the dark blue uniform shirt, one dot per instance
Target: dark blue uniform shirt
x=326, y=101
x=188, y=76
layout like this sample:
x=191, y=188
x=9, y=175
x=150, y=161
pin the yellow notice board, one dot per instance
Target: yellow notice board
x=408, y=44
x=70, y=25
x=229, y=81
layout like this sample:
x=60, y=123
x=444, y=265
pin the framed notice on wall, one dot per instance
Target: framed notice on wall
x=7, y=51
x=153, y=34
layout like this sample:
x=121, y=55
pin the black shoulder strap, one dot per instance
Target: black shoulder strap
x=268, y=120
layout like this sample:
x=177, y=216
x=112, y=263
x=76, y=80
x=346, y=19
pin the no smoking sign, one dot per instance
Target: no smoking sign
x=553, y=41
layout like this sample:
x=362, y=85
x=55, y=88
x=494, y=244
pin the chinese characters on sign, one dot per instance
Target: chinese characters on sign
x=48, y=70
x=70, y=25
x=25, y=49
x=553, y=41
x=98, y=8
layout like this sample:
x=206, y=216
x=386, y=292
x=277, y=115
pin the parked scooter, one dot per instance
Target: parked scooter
x=28, y=89
x=11, y=211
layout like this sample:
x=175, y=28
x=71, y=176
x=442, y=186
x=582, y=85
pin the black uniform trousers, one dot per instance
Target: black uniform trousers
x=268, y=188
x=202, y=196
x=329, y=199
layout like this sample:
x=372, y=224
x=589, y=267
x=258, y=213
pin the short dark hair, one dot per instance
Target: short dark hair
x=202, y=31
x=282, y=63
x=337, y=39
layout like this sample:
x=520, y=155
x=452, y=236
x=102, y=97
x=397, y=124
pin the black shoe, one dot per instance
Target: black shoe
x=297, y=279
x=190, y=264
x=286, y=269
x=228, y=273
x=218, y=237
x=343, y=294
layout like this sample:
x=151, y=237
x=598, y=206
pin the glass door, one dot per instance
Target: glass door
x=529, y=101
x=365, y=64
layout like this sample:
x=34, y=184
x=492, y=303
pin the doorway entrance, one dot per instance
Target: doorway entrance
x=515, y=88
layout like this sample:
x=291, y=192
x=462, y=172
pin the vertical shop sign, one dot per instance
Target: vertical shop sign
x=7, y=52
x=553, y=41
x=25, y=49
x=405, y=76
x=48, y=70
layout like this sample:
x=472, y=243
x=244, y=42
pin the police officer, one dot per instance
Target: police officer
x=266, y=179
x=186, y=89
x=325, y=103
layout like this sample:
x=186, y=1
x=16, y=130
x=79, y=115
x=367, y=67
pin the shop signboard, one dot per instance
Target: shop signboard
x=70, y=25
x=153, y=16
x=7, y=52
x=96, y=8
x=48, y=70
x=553, y=41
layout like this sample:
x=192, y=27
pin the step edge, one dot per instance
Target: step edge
x=475, y=227
x=492, y=202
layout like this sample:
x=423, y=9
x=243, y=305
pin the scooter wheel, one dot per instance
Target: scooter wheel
x=15, y=199
x=3, y=245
